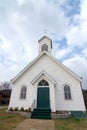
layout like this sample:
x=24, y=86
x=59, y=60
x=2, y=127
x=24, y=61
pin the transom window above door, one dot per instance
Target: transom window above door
x=43, y=83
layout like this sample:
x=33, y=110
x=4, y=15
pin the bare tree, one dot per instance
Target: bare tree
x=5, y=85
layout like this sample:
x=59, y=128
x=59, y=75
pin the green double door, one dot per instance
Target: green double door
x=43, y=98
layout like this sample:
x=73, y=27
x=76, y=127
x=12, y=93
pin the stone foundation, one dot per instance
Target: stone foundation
x=53, y=115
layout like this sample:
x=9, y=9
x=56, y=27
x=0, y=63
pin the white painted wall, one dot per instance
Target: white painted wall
x=61, y=77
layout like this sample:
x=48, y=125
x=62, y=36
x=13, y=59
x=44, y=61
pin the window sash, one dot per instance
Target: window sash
x=44, y=47
x=67, y=92
x=23, y=93
x=67, y=95
x=43, y=83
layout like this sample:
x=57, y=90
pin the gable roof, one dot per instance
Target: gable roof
x=52, y=58
x=43, y=38
x=41, y=74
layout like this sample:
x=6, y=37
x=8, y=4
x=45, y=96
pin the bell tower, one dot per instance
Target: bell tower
x=45, y=44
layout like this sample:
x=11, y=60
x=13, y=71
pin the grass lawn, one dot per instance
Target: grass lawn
x=71, y=124
x=8, y=120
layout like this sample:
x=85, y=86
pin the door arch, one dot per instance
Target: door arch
x=43, y=83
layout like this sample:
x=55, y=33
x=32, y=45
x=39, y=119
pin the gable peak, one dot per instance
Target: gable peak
x=44, y=38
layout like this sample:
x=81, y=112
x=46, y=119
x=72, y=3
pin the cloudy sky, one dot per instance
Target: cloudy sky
x=22, y=24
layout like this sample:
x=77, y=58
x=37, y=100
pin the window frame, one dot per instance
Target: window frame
x=67, y=92
x=23, y=92
x=44, y=47
x=43, y=83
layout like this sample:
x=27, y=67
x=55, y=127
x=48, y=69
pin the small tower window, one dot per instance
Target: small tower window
x=44, y=47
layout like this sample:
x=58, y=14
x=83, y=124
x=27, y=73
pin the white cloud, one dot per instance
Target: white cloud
x=22, y=23
x=61, y=53
x=83, y=7
x=77, y=34
x=14, y=57
x=21, y=2
x=79, y=66
x=85, y=53
x=5, y=45
x=7, y=73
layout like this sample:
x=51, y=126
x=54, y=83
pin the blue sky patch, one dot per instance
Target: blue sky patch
x=72, y=8
x=62, y=43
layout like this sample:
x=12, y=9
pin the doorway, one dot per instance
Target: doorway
x=43, y=98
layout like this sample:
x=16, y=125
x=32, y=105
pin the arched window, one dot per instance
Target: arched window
x=44, y=47
x=23, y=92
x=43, y=83
x=67, y=92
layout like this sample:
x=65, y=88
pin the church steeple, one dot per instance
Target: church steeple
x=45, y=44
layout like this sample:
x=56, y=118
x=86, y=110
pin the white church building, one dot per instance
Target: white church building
x=45, y=83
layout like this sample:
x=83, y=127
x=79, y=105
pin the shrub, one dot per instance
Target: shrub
x=29, y=109
x=11, y=109
x=61, y=112
x=22, y=109
x=16, y=109
x=26, y=110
